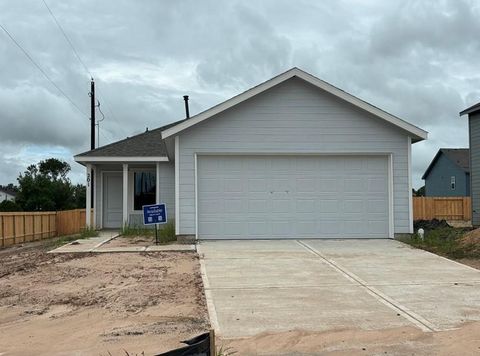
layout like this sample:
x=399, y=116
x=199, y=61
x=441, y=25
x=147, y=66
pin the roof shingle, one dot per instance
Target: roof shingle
x=146, y=144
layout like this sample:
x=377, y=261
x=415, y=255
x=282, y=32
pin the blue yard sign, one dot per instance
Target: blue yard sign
x=154, y=214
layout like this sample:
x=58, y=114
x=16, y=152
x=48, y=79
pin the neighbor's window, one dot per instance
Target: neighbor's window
x=143, y=190
x=452, y=182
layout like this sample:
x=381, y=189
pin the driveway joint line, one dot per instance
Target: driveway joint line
x=416, y=319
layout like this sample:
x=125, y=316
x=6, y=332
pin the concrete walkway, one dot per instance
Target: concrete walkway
x=87, y=245
x=259, y=286
x=97, y=245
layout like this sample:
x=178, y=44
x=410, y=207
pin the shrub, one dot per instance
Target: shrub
x=9, y=206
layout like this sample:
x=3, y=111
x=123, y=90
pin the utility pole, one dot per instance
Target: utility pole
x=92, y=133
x=92, y=115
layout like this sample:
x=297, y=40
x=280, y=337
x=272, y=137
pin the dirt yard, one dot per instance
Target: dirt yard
x=102, y=304
x=128, y=241
x=464, y=341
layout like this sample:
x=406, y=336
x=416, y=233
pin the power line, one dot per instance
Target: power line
x=67, y=39
x=78, y=56
x=41, y=69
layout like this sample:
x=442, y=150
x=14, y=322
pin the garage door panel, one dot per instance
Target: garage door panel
x=327, y=185
x=281, y=228
x=355, y=185
x=257, y=185
x=234, y=206
x=289, y=196
x=353, y=206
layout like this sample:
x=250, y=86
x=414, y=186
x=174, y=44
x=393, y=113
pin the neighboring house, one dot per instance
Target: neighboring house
x=473, y=113
x=6, y=195
x=293, y=157
x=448, y=175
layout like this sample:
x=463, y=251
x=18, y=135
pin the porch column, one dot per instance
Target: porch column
x=125, y=194
x=88, y=204
x=157, y=184
x=95, y=190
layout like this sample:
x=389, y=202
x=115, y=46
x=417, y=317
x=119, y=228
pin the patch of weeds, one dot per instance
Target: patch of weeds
x=166, y=233
x=443, y=241
x=88, y=232
x=63, y=240
x=136, y=230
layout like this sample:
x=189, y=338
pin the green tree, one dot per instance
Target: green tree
x=79, y=196
x=9, y=205
x=420, y=192
x=45, y=186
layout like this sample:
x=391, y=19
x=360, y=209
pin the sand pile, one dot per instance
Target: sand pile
x=472, y=240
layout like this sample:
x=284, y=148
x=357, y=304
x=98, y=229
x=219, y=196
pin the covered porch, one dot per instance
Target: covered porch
x=121, y=186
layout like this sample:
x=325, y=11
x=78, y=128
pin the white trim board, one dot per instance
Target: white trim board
x=177, y=185
x=410, y=187
x=391, y=217
x=89, y=159
x=417, y=133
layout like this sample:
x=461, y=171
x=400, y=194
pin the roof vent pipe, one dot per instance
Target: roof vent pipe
x=187, y=111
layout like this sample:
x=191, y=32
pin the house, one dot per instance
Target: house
x=291, y=157
x=6, y=194
x=448, y=175
x=473, y=113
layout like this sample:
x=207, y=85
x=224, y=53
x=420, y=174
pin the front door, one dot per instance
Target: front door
x=112, y=200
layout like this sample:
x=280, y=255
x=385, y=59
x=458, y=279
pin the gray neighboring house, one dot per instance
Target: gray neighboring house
x=473, y=113
x=448, y=175
x=7, y=195
x=293, y=157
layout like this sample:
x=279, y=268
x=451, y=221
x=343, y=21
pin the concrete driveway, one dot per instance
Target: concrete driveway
x=280, y=285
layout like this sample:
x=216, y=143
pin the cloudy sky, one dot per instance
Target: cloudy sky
x=415, y=59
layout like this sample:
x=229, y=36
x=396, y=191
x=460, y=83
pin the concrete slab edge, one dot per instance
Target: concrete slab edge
x=212, y=312
x=414, y=318
x=105, y=241
x=445, y=258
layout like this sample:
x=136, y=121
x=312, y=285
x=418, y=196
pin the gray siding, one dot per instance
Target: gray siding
x=437, y=183
x=167, y=190
x=293, y=117
x=474, y=130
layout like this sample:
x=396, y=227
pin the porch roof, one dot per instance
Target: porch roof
x=146, y=147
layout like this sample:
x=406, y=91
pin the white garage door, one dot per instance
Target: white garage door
x=260, y=197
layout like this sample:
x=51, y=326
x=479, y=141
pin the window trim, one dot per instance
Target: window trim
x=140, y=170
x=453, y=183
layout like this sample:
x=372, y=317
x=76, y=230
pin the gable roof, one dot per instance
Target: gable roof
x=472, y=109
x=416, y=133
x=146, y=144
x=458, y=156
x=9, y=192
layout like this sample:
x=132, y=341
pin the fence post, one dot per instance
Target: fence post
x=3, y=232
x=212, y=343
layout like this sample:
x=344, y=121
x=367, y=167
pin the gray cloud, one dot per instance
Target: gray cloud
x=415, y=59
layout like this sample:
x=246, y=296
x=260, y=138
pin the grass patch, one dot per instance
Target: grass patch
x=445, y=241
x=88, y=232
x=136, y=230
x=166, y=232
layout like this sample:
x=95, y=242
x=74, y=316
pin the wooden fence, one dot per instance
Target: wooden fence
x=20, y=227
x=455, y=208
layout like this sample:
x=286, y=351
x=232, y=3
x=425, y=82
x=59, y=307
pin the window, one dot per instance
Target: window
x=143, y=189
x=452, y=182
